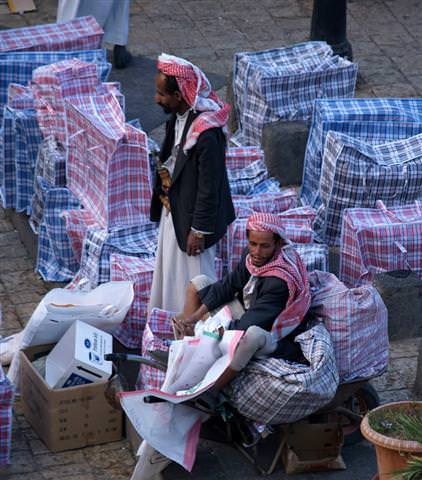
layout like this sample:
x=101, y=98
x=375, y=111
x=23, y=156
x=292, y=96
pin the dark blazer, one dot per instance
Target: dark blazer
x=199, y=194
x=268, y=300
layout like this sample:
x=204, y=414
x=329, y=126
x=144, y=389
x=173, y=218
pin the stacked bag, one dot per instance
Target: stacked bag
x=6, y=403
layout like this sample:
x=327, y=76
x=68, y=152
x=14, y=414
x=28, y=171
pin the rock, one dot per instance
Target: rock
x=284, y=145
x=401, y=291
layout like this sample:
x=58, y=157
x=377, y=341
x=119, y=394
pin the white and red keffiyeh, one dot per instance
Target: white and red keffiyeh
x=198, y=94
x=286, y=265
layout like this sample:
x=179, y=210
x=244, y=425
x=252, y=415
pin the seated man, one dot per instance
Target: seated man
x=268, y=294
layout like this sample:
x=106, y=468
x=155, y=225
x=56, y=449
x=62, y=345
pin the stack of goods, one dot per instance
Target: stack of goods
x=282, y=84
x=6, y=402
x=356, y=173
x=375, y=240
x=374, y=120
x=75, y=81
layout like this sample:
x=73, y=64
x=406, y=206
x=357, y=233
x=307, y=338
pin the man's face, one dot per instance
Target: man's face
x=262, y=247
x=169, y=102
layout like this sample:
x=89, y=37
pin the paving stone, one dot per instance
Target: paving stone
x=50, y=459
x=75, y=470
x=110, y=458
x=5, y=226
x=401, y=90
x=10, y=317
x=22, y=281
x=395, y=395
x=25, y=310
x=18, y=476
x=399, y=375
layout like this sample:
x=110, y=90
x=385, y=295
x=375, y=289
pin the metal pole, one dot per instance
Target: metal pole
x=329, y=22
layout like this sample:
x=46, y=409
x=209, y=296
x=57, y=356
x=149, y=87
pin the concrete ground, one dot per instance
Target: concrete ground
x=386, y=38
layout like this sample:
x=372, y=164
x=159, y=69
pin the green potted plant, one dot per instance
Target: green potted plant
x=395, y=429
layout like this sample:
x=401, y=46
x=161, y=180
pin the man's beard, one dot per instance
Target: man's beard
x=166, y=109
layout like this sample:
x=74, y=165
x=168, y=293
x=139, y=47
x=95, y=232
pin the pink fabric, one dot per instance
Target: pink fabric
x=198, y=94
x=288, y=266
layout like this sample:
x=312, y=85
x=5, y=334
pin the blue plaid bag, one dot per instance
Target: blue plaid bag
x=243, y=180
x=7, y=160
x=139, y=241
x=283, y=83
x=6, y=401
x=28, y=140
x=376, y=120
x=55, y=260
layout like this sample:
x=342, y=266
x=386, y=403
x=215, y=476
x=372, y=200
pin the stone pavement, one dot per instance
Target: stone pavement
x=386, y=38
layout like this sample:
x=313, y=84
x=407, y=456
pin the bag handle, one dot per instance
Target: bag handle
x=381, y=206
x=403, y=250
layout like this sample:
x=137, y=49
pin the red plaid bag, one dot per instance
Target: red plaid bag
x=297, y=223
x=82, y=33
x=272, y=202
x=108, y=167
x=77, y=223
x=375, y=240
x=158, y=335
x=241, y=157
x=139, y=271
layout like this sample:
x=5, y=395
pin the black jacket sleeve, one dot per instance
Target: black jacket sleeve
x=210, y=154
x=271, y=299
x=224, y=291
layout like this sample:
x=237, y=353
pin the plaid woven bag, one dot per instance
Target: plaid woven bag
x=6, y=403
x=108, y=167
x=82, y=33
x=283, y=84
x=139, y=271
x=375, y=240
x=357, y=320
x=375, y=120
x=357, y=174
x=241, y=157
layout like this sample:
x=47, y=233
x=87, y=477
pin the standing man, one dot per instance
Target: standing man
x=191, y=198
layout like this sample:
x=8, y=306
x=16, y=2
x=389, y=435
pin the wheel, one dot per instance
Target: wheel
x=363, y=400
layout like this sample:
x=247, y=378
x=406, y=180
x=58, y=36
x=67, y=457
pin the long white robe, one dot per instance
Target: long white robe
x=112, y=15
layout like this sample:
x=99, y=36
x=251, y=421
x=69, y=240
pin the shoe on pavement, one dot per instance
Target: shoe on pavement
x=121, y=57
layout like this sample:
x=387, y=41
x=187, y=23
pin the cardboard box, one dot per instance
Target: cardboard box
x=78, y=357
x=311, y=447
x=66, y=418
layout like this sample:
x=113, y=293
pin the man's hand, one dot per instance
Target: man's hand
x=195, y=245
x=184, y=327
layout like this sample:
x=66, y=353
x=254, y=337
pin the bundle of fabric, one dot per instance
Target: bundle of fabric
x=83, y=33
x=275, y=391
x=357, y=174
x=55, y=258
x=108, y=166
x=6, y=403
x=99, y=244
x=296, y=222
x=21, y=138
x=375, y=240
x=375, y=120
x=51, y=167
x=283, y=83
x=357, y=320
x=52, y=84
x=158, y=335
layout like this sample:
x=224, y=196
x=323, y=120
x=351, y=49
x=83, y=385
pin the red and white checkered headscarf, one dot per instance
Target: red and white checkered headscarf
x=197, y=92
x=287, y=265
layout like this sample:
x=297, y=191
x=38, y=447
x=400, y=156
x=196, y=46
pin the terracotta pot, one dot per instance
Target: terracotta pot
x=392, y=454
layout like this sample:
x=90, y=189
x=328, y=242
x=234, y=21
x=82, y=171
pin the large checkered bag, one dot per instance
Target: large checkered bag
x=377, y=120
x=275, y=391
x=357, y=174
x=242, y=181
x=55, y=260
x=139, y=271
x=283, y=84
x=19, y=96
x=53, y=83
x=77, y=223
x=6, y=402
x=27, y=142
x=158, y=335
x=375, y=240
x=108, y=167
x=99, y=244
x=297, y=223
x=314, y=256
x=17, y=67
x=240, y=157
x=82, y=33
x=7, y=159
x=51, y=166
x=269, y=202
x=357, y=320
